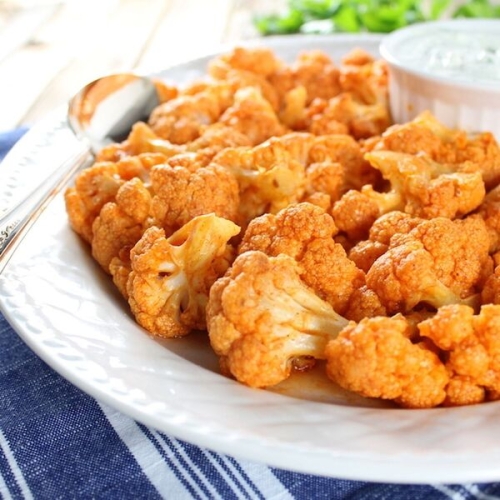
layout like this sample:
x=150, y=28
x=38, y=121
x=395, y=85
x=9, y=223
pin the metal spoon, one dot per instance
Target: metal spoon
x=101, y=113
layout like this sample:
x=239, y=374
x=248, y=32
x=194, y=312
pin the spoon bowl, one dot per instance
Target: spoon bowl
x=104, y=110
x=101, y=113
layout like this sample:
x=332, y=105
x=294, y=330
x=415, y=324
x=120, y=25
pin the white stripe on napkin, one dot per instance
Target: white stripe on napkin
x=178, y=456
x=4, y=490
x=151, y=462
x=474, y=489
x=4, y=444
x=229, y=473
x=270, y=486
x=454, y=495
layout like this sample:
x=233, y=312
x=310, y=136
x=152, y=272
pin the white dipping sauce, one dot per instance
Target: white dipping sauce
x=450, y=50
x=466, y=56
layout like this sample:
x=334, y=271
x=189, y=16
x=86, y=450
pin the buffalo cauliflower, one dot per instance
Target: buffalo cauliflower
x=426, y=135
x=366, y=252
x=180, y=120
x=97, y=185
x=263, y=320
x=182, y=192
x=305, y=232
x=438, y=262
x=170, y=278
x=361, y=120
x=356, y=211
x=470, y=345
x=252, y=115
x=376, y=358
x=268, y=176
x=430, y=189
x=120, y=224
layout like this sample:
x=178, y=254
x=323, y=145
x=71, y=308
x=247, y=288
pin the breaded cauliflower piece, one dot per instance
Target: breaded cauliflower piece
x=262, y=319
x=471, y=347
x=429, y=189
x=376, y=358
x=120, y=224
x=170, y=278
x=439, y=262
x=252, y=115
x=180, y=194
x=305, y=232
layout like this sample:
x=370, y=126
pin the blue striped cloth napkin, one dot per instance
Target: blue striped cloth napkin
x=56, y=442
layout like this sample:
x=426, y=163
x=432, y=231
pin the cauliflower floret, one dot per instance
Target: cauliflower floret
x=120, y=268
x=471, y=347
x=240, y=79
x=429, y=189
x=345, y=150
x=489, y=211
x=262, y=319
x=377, y=359
x=97, y=185
x=438, y=262
x=356, y=211
x=268, y=176
x=120, y=224
x=426, y=135
x=324, y=183
x=216, y=137
x=366, y=252
x=490, y=294
x=305, y=232
x=180, y=120
x=314, y=71
x=422, y=135
x=141, y=139
x=483, y=150
x=259, y=60
x=362, y=120
x=252, y=115
x=181, y=194
x=365, y=77
x=170, y=278
x=364, y=303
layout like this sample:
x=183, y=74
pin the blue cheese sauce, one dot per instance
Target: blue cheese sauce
x=460, y=51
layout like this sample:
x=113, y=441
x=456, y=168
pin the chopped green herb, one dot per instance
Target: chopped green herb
x=354, y=16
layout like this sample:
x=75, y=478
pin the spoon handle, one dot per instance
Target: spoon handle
x=17, y=221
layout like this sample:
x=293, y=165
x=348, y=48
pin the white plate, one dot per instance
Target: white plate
x=69, y=313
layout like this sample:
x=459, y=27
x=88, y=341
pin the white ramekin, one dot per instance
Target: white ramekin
x=472, y=105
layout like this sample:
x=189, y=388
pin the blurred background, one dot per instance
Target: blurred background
x=49, y=49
